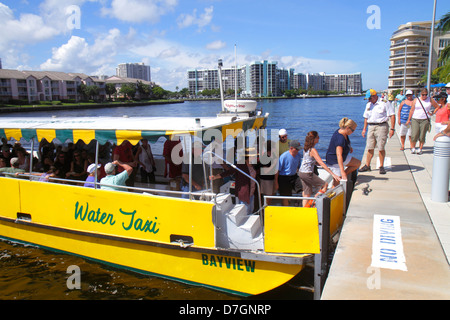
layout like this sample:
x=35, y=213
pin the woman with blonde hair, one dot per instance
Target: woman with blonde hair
x=338, y=158
x=306, y=173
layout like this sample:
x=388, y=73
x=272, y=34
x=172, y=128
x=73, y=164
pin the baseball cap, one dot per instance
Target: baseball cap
x=109, y=167
x=408, y=92
x=294, y=144
x=370, y=93
x=282, y=132
x=448, y=85
x=13, y=161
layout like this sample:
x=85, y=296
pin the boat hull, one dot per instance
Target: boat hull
x=38, y=214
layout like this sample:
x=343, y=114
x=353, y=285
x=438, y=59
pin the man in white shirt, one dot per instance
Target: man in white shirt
x=376, y=115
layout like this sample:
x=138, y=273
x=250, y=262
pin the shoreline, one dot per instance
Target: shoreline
x=84, y=106
x=138, y=104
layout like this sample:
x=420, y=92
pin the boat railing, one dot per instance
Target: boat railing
x=211, y=153
x=202, y=194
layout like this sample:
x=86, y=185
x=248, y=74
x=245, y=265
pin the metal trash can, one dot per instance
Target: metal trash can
x=441, y=170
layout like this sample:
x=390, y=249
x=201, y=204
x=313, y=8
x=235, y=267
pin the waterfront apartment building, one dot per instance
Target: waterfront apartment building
x=134, y=70
x=410, y=46
x=265, y=79
x=35, y=86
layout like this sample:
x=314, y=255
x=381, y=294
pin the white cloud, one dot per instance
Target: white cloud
x=77, y=55
x=216, y=45
x=187, y=20
x=139, y=11
x=28, y=29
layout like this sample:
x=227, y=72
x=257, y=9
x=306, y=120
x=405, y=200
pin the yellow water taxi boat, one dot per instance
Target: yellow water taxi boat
x=206, y=239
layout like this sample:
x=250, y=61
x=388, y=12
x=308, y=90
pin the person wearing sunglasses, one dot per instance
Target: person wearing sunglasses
x=419, y=117
x=377, y=115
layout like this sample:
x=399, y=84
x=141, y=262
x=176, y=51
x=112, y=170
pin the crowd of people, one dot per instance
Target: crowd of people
x=415, y=112
x=76, y=162
x=288, y=172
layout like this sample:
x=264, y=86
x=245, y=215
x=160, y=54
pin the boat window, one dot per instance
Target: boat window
x=182, y=240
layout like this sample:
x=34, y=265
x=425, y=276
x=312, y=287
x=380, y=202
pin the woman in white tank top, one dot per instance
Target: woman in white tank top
x=419, y=117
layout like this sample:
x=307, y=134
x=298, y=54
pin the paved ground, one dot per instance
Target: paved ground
x=405, y=191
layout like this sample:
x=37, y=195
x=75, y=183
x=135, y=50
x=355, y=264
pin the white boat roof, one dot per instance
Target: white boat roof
x=115, y=123
x=117, y=128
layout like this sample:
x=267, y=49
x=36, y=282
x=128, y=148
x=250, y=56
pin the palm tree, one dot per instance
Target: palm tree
x=443, y=71
x=444, y=23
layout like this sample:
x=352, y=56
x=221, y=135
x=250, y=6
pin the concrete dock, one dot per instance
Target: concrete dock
x=404, y=192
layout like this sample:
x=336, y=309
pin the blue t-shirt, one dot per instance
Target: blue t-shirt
x=404, y=114
x=337, y=140
x=400, y=98
x=288, y=165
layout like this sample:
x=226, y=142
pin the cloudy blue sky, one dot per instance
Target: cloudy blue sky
x=173, y=36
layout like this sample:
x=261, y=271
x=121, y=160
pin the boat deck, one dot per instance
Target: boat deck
x=405, y=191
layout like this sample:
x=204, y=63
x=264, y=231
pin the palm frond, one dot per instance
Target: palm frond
x=444, y=23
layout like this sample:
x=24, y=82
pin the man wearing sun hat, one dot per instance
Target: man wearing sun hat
x=376, y=116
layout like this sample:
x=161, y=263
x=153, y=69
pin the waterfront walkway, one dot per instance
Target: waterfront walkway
x=405, y=191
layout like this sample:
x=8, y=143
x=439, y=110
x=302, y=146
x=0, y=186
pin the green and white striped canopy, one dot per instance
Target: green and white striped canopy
x=118, y=129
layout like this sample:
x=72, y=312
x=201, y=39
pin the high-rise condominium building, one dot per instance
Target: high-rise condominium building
x=134, y=70
x=410, y=46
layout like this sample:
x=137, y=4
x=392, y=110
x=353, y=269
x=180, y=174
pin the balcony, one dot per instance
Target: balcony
x=408, y=76
x=410, y=44
x=409, y=66
x=409, y=55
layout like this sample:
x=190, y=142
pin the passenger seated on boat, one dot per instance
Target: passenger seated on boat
x=62, y=165
x=14, y=167
x=198, y=177
x=115, y=179
x=77, y=171
x=43, y=177
x=24, y=158
x=6, y=154
x=91, y=177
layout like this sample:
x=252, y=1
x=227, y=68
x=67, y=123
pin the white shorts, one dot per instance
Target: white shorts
x=405, y=130
x=335, y=167
x=439, y=127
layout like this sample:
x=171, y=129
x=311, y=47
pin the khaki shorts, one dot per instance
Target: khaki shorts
x=267, y=187
x=377, y=136
x=309, y=181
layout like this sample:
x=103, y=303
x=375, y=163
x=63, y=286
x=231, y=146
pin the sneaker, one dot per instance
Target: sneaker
x=419, y=152
x=382, y=170
x=365, y=168
x=413, y=150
